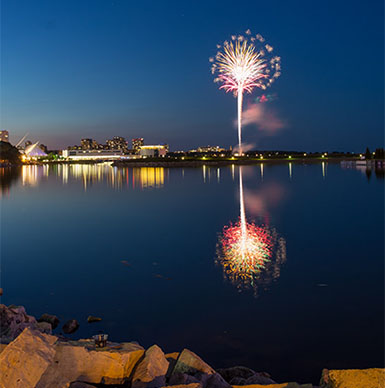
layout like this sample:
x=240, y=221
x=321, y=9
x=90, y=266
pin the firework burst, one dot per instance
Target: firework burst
x=242, y=64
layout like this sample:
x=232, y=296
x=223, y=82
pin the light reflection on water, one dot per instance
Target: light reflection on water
x=90, y=174
x=251, y=253
x=150, y=235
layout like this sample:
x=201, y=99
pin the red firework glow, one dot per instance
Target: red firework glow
x=245, y=253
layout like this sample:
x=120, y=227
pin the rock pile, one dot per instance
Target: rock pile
x=36, y=359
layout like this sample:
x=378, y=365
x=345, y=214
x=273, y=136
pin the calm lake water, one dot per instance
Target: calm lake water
x=138, y=247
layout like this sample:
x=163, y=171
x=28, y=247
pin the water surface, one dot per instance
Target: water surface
x=138, y=247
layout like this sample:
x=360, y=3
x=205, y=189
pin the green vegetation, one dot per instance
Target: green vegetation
x=9, y=154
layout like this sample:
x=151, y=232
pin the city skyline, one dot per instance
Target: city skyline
x=143, y=70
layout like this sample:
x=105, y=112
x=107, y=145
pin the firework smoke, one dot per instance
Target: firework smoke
x=242, y=64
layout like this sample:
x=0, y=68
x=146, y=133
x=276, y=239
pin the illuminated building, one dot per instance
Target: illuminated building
x=137, y=143
x=153, y=150
x=4, y=136
x=210, y=149
x=86, y=144
x=94, y=155
x=117, y=143
x=33, y=151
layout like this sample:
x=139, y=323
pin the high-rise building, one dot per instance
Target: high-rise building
x=4, y=136
x=117, y=143
x=86, y=144
x=137, y=143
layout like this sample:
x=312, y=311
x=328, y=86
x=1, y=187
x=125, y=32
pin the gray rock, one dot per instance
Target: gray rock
x=237, y=371
x=214, y=381
x=240, y=375
x=52, y=319
x=151, y=371
x=70, y=326
x=182, y=379
x=237, y=381
x=259, y=378
x=44, y=327
x=13, y=320
x=189, y=363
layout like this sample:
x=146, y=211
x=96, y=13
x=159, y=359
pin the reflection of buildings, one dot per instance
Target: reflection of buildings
x=90, y=174
x=8, y=176
x=148, y=176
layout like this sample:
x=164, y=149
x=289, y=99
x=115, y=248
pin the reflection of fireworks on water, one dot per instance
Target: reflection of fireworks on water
x=250, y=255
x=253, y=258
x=243, y=63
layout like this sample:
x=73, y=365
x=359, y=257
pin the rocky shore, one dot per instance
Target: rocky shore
x=31, y=357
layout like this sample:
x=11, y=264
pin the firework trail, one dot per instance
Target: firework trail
x=251, y=255
x=243, y=63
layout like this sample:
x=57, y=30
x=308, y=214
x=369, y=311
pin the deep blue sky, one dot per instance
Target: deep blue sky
x=73, y=69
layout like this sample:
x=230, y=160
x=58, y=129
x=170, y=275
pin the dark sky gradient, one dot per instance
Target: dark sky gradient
x=73, y=69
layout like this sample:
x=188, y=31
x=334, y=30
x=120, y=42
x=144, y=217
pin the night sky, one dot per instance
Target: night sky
x=100, y=68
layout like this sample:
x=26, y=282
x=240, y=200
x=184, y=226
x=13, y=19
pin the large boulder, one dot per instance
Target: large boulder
x=190, y=368
x=23, y=362
x=52, y=319
x=151, y=371
x=189, y=363
x=70, y=326
x=353, y=378
x=80, y=361
x=237, y=371
x=13, y=320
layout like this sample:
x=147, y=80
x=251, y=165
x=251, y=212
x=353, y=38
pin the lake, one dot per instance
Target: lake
x=142, y=248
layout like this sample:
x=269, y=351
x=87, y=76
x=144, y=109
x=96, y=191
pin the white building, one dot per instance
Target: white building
x=153, y=150
x=95, y=155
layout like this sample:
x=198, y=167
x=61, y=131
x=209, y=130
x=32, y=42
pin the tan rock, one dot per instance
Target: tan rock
x=151, y=371
x=79, y=361
x=2, y=347
x=188, y=362
x=24, y=360
x=353, y=378
x=172, y=356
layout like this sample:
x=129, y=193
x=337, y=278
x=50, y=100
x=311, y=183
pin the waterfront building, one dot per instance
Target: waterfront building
x=4, y=136
x=34, y=151
x=137, y=143
x=153, y=150
x=101, y=155
x=86, y=144
x=208, y=149
x=117, y=143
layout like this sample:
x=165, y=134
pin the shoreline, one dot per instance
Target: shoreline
x=177, y=163
x=50, y=360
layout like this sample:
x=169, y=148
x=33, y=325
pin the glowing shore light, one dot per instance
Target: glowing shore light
x=242, y=64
